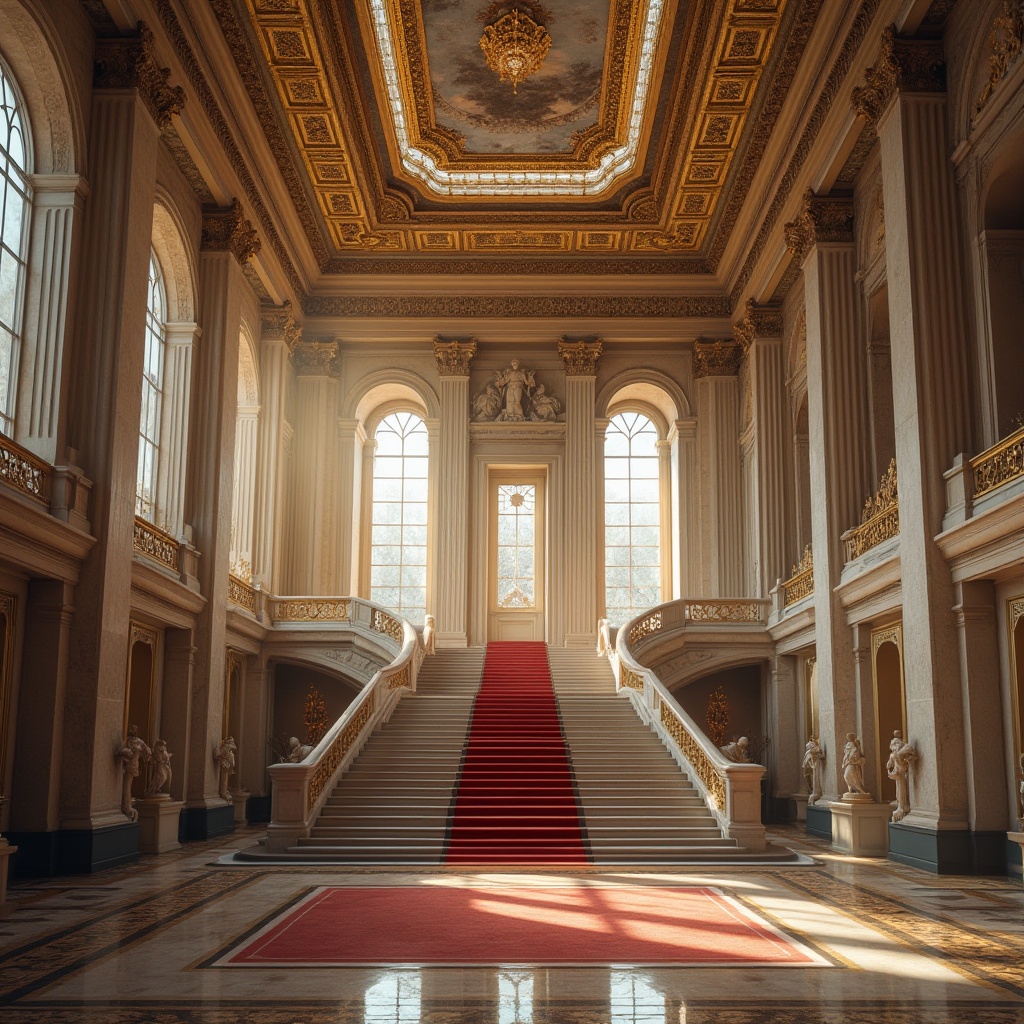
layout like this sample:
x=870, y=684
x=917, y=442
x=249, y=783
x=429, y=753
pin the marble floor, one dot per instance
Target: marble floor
x=135, y=945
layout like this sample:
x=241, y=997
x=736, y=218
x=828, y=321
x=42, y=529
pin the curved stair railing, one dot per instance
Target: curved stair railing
x=732, y=791
x=298, y=791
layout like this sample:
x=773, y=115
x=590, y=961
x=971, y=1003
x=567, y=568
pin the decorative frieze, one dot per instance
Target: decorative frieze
x=1006, y=42
x=716, y=358
x=453, y=357
x=278, y=323
x=823, y=219
x=905, y=65
x=127, y=63
x=227, y=230
x=316, y=359
x=309, y=609
x=758, y=322
x=580, y=357
x=513, y=396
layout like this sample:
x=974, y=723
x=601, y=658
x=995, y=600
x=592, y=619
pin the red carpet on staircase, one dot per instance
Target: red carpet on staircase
x=516, y=803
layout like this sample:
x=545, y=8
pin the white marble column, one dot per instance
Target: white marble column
x=58, y=209
x=244, y=490
x=839, y=450
x=351, y=444
x=685, y=531
x=452, y=475
x=719, y=485
x=174, y=425
x=581, y=515
x=931, y=399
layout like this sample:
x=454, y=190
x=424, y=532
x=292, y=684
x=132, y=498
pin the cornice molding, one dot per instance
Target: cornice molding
x=758, y=322
x=226, y=230
x=316, y=359
x=453, y=357
x=823, y=219
x=580, y=357
x=278, y=324
x=903, y=65
x=128, y=63
x=716, y=358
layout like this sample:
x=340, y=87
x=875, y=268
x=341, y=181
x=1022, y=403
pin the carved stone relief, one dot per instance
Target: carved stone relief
x=513, y=395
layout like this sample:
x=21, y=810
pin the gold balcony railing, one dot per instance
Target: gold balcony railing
x=309, y=609
x=23, y=471
x=879, y=520
x=241, y=593
x=999, y=464
x=698, y=760
x=801, y=583
x=151, y=541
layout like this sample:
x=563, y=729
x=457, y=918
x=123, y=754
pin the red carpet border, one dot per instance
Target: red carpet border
x=516, y=803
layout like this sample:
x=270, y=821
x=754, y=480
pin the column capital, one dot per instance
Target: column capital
x=580, y=357
x=127, y=63
x=277, y=323
x=453, y=357
x=903, y=65
x=822, y=219
x=226, y=230
x=316, y=359
x=716, y=358
x=758, y=322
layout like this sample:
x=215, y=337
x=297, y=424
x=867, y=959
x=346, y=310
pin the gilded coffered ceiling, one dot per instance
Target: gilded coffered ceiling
x=631, y=144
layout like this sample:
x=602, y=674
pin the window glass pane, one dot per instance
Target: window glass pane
x=152, y=397
x=516, y=532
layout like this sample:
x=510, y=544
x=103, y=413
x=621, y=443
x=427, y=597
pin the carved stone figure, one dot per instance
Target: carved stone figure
x=513, y=395
x=814, y=758
x=224, y=755
x=737, y=750
x=298, y=752
x=853, y=768
x=160, y=769
x=428, y=635
x=544, y=407
x=517, y=385
x=487, y=404
x=898, y=769
x=604, y=638
x=133, y=751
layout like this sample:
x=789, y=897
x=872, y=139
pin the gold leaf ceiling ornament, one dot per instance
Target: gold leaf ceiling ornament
x=515, y=45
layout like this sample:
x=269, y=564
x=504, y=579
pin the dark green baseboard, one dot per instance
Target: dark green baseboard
x=199, y=823
x=74, y=851
x=959, y=852
x=1014, y=867
x=819, y=821
x=257, y=810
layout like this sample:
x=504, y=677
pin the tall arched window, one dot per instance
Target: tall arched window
x=398, y=544
x=15, y=195
x=632, y=516
x=152, y=395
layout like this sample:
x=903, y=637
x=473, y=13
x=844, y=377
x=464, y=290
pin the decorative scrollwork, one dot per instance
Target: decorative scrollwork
x=400, y=678
x=695, y=756
x=241, y=593
x=999, y=464
x=22, y=470
x=724, y=611
x=310, y=610
x=335, y=754
x=879, y=520
x=801, y=583
x=154, y=543
x=1005, y=42
x=630, y=679
x=645, y=627
x=388, y=625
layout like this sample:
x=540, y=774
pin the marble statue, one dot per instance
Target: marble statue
x=898, y=769
x=814, y=758
x=133, y=751
x=298, y=751
x=517, y=385
x=604, y=638
x=737, y=750
x=544, y=407
x=160, y=769
x=487, y=404
x=513, y=395
x=428, y=635
x=224, y=755
x=853, y=768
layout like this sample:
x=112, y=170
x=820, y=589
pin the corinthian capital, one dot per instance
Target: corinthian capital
x=716, y=358
x=758, y=322
x=453, y=357
x=580, y=357
x=316, y=359
x=127, y=63
x=823, y=219
x=226, y=230
x=278, y=324
x=903, y=65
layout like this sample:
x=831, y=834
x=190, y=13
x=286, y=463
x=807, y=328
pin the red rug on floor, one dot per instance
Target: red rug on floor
x=516, y=803
x=440, y=924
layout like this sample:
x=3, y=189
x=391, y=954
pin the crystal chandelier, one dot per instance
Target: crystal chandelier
x=515, y=46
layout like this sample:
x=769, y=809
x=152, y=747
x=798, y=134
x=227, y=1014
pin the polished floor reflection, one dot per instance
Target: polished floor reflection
x=139, y=945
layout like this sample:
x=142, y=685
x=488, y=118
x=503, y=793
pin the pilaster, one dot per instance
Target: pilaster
x=181, y=337
x=352, y=444
x=453, y=359
x=243, y=495
x=580, y=361
x=685, y=462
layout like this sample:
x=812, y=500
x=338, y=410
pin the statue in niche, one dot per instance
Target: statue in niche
x=545, y=407
x=297, y=751
x=487, y=404
x=516, y=385
x=853, y=768
x=898, y=769
x=514, y=396
x=160, y=769
x=133, y=751
x=814, y=758
x=224, y=755
x=737, y=750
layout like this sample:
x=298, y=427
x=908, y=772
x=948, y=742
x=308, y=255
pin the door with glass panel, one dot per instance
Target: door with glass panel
x=516, y=549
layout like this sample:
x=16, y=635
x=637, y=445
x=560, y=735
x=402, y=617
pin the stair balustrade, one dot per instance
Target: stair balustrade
x=732, y=791
x=299, y=790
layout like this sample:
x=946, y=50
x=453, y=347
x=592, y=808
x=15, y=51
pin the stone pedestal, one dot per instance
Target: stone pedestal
x=240, y=797
x=860, y=827
x=1013, y=837
x=6, y=850
x=800, y=800
x=158, y=823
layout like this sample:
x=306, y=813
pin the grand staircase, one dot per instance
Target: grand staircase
x=397, y=802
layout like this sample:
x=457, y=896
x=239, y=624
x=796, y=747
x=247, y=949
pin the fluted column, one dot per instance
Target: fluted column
x=130, y=101
x=838, y=447
x=904, y=95
x=58, y=206
x=760, y=333
x=580, y=361
x=228, y=242
x=685, y=532
x=715, y=368
x=351, y=444
x=174, y=425
x=452, y=475
x=244, y=491
x=279, y=334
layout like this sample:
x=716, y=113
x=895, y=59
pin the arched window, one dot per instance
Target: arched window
x=398, y=544
x=152, y=395
x=15, y=195
x=632, y=516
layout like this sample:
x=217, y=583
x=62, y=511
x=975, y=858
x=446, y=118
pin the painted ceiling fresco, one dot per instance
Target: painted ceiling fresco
x=545, y=110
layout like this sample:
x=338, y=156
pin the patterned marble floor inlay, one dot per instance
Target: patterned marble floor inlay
x=135, y=946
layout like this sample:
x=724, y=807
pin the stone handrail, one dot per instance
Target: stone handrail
x=298, y=791
x=732, y=791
